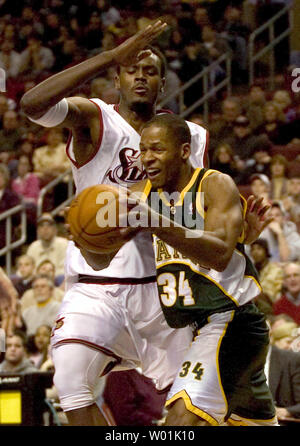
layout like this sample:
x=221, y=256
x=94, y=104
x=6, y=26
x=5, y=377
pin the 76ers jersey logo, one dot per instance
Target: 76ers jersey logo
x=130, y=168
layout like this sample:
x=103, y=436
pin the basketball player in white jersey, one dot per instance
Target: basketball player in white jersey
x=110, y=318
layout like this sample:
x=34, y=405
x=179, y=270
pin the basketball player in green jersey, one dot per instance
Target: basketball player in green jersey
x=204, y=280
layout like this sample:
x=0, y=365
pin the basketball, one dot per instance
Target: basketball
x=93, y=218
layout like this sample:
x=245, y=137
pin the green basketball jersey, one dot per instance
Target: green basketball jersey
x=188, y=291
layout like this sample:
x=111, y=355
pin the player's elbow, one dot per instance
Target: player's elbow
x=222, y=260
x=28, y=107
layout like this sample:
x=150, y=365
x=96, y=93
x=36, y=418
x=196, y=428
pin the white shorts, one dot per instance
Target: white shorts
x=127, y=324
x=221, y=377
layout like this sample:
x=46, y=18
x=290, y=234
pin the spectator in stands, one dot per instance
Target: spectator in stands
x=38, y=346
x=22, y=279
x=278, y=176
x=48, y=246
x=109, y=14
x=291, y=201
x=245, y=143
x=69, y=54
x=48, y=268
x=44, y=310
x=270, y=275
x=282, y=236
x=223, y=160
x=273, y=125
x=8, y=200
x=289, y=301
x=51, y=32
x=260, y=187
x=236, y=33
x=51, y=160
x=222, y=128
x=28, y=298
x=4, y=106
x=10, y=315
x=36, y=59
x=283, y=334
x=283, y=101
x=255, y=104
x=191, y=64
x=10, y=135
x=93, y=32
x=10, y=60
x=27, y=184
x=16, y=359
x=283, y=373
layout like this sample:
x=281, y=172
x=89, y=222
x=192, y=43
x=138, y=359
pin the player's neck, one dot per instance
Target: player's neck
x=182, y=180
x=136, y=114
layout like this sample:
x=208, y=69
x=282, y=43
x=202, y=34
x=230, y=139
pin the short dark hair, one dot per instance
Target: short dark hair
x=20, y=334
x=175, y=125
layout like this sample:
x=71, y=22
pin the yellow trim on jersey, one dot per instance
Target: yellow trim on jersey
x=200, y=274
x=199, y=207
x=182, y=193
x=217, y=359
x=191, y=408
x=147, y=190
x=247, y=276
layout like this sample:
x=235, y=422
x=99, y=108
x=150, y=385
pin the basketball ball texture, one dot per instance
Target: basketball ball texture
x=94, y=218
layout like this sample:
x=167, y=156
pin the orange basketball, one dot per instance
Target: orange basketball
x=94, y=217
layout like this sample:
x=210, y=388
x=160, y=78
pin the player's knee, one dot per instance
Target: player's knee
x=77, y=378
x=178, y=415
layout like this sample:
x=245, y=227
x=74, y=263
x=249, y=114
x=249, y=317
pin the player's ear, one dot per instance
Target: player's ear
x=185, y=151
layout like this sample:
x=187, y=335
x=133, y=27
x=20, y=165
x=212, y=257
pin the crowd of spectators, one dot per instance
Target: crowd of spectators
x=254, y=138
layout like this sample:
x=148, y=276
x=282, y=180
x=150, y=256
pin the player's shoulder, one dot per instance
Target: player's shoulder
x=215, y=181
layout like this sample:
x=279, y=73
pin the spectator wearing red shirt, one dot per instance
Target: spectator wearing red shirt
x=289, y=301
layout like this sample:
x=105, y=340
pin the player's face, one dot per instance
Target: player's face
x=142, y=82
x=160, y=157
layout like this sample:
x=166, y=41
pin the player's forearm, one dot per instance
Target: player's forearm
x=40, y=98
x=201, y=247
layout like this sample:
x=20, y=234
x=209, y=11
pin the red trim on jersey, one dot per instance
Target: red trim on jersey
x=103, y=350
x=74, y=162
x=205, y=154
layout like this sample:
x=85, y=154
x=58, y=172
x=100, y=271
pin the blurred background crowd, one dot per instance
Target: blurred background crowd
x=254, y=137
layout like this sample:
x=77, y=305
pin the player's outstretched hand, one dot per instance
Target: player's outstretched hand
x=257, y=218
x=130, y=51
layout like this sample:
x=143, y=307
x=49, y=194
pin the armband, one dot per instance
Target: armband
x=54, y=116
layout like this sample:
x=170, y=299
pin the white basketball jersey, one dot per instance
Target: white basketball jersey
x=117, y=162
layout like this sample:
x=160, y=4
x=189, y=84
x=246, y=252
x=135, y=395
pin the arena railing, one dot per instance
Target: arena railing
x=46, y=189
x=209, y=91
x=10, y=243
x=254, y=55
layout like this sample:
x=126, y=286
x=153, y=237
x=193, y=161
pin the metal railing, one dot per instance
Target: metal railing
x=43, y=192
x=208, y=90
x=255, y=56
x=11, y=244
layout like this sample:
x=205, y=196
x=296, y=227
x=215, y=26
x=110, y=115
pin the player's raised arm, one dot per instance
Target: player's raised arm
x=37, y=101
